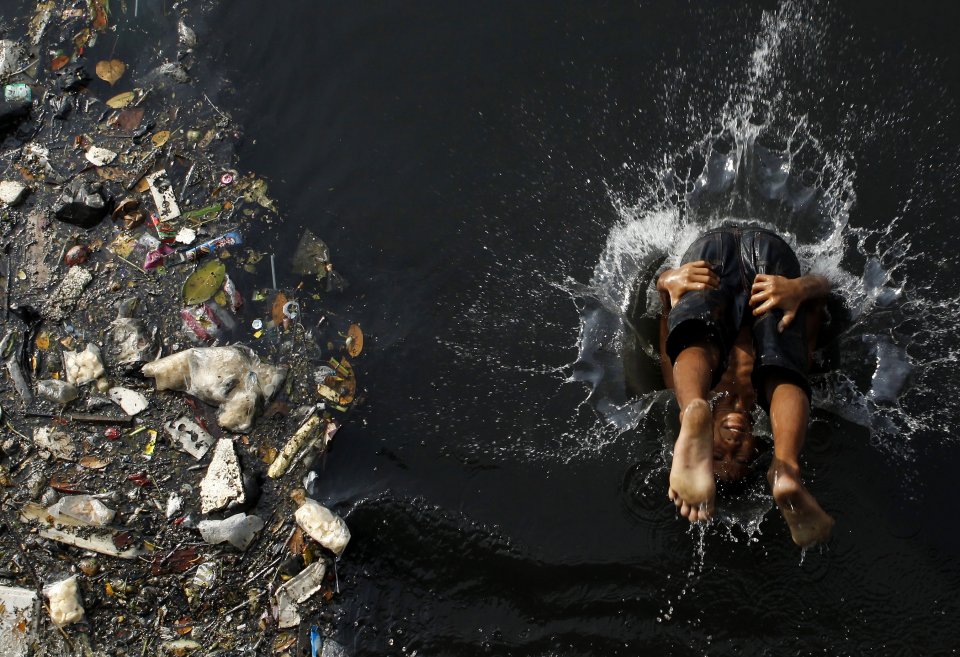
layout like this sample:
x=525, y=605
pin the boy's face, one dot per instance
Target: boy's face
x=734, y=446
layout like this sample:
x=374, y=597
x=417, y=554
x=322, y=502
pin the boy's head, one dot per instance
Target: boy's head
x=734, y=445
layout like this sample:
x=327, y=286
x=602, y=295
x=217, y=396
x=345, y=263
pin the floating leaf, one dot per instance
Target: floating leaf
x=129, y=119
x=99, y=12
x=204, y=282
x=59, y=62
x=121, y=100
x=110, y=70
x=94, y=463
x=354, y=340
x=276, y=311
x=160, y=138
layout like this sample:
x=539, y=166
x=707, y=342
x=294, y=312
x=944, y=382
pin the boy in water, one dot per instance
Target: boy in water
x=739, y=319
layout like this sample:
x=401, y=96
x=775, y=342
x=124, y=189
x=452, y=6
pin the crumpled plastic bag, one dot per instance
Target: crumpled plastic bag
x=232, y=378
x=83, y=366
x=66, y=607
x=129, y=343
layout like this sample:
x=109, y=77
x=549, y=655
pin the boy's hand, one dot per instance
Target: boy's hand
x=769, y=292
x=685, y=278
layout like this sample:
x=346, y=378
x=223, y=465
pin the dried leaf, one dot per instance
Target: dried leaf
x=129, y=119
x=297, y=542
x=43, y=341
x=94, y=463
x=204, y=282
x=110, y=70
x=99, y=14
x=59, y=62
x=354, y=340
x=121, y=100
x=160, y=138
x=175, y=561
x=276, y=311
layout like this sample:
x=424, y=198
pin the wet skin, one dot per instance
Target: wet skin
x=721, y=444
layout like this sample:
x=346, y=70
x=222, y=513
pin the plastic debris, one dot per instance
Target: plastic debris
x=163, y=195
x=56, y=443
x=131, y=401
x=82, y=203
x=66, y=606
x=18, y=621
x=296, y=443
x=324, y=526
x=57, y=391
x=190, y=436
x=239, y=530
x=305, y=583
x=12, y=192
x=84, y=508
x=68, y=531
x=231, y=377
x=223, y=483
x=99, y=157
x=85, y=366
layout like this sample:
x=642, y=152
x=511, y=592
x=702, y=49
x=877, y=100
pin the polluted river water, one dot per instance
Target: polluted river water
x=499, y=187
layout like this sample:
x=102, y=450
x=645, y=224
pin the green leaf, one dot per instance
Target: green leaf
x=204, y=282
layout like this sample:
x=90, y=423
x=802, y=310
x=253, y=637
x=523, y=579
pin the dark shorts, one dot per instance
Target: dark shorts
x=737, y=255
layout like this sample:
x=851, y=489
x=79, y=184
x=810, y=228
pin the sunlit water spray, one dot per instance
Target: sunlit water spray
x=886, y=348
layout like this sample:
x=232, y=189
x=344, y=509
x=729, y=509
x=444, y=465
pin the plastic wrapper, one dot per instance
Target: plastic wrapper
x=66, y=606
x=85, y=366
x=324, y=526
x=232, y=378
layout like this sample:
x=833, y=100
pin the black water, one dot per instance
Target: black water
x=458, y=160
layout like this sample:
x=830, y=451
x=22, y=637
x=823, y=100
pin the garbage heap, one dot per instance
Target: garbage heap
x=163, y=402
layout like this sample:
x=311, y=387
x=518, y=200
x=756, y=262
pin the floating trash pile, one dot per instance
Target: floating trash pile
x=162, y=405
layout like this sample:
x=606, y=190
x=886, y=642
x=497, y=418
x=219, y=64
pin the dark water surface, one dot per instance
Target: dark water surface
x=459, y=160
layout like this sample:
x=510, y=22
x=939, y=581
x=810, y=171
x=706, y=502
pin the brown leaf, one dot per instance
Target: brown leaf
x=160, y=138
x=276, y=311
x=175, y=561
x=297, y=542
x=59, y=62
x=354, y=340
x=64, y=486
x=94, y=463
x=129, y=119
x=110, y=70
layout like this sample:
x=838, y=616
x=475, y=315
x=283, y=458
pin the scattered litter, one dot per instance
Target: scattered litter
x=12, y=192
x=131, y=401
x=55, y=443
x=231, y=377
x=324, y=526
x=66, y=607
x=120, y=181
x=85, y=366
x=239, y=530
x=57, y=391
x=84, y=508
x=18, y=621
x=223, y=483
x=190, y=436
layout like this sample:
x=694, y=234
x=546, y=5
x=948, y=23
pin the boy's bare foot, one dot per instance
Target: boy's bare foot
x=692, y=487
x=809, y=524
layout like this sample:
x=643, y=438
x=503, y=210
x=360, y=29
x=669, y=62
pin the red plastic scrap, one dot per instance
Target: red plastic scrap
x=139, y=478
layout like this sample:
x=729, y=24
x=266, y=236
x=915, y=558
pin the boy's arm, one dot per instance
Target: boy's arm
x=787, y=294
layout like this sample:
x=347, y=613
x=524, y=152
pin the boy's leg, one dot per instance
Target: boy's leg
x=692, y=486
x=789, y=412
